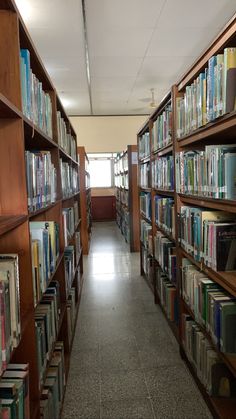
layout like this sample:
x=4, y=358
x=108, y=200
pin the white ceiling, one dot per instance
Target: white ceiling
x=133, y=45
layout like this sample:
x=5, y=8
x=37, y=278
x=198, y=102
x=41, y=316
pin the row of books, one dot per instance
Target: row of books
x=210, y=173
x=70, y=218
x=122, y=181
x=121, y=164
x=209, y=96
x=163, y=173
x=167, y=294
x=41, y=179
x=122, y=195
x=54, y=385
x=212, y=306
x=45, y=251
x=165, y=214
x=146, y=204
x=37, y=104
x=144, y=145
x=211, y=371
x=145, y=175
x=125, y=224
x=71, y=313
x=46, y=316
x=147, y=264
x=162, y=127
x=14, y=392
x=165, y=255
x=146, y=236
x=65, y=139
x=209, y=236
x=10, y=324
x=69, y=179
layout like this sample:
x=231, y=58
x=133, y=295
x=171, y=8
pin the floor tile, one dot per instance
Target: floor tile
x=83, y=410
x=128, y=409
x=123, y=385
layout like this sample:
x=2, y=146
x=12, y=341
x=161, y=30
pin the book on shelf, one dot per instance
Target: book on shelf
x=66, y=139
x=69, y=257
x=211, y=94
x=165, y=214
x=146, y=204
x=210, y=369
x=168, y=295
x=145, y=175
x=77, y=246
x=71, y=312
x=41, y=179
x=210, y=173
x=209, y=236
x=69, y=223
x=10, y=307
x=213, y=307
x=144, y=145
x=69, y=179
x=37, y=104
x=146, y=236
x=45, y=252
x=165, y=255
x=163, y=173
x=162, y=128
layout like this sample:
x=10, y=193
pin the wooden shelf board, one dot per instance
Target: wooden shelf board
x=219, y=406
x=145, y=218
x=145, y=159
x=66, y=156
x=224, y=125
x=145, y=189
x=35, y=138
x=169, y=236
x=168, y=149
x=164, y=192
x=44, y=209
x=226, y=279
x=9, y=222
x=221, y=204
x=70, y=197
x=229, y=360
x=7, y=109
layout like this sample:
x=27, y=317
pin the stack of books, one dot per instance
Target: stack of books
x=163, y=173
x=37, y=105
x=211, y=371
x=45, y=252
x=210, y=173
x=41, y=179
x=211, y=94
x=162, y=127
x=14, y=392
x=10, y=307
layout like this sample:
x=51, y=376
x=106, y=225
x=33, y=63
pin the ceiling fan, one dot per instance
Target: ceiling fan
x=152, y=104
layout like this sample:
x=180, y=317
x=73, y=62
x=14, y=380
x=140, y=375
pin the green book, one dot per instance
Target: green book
x=228, y=328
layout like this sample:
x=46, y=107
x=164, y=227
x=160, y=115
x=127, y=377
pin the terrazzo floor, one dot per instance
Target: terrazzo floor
x=125, y=362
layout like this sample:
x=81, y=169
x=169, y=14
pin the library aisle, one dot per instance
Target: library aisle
x=125, y=362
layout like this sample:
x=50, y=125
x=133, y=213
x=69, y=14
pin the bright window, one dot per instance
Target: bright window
x=100, y=173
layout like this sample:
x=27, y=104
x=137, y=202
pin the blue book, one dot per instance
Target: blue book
x=211, y=88
x=25, y=54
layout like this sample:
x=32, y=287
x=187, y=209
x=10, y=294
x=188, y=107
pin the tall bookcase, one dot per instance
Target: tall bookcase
x=85, y=199
x=125, y=169
x=177, y=254
x=19, y=134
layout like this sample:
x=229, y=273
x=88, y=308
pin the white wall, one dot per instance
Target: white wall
x=107, y=133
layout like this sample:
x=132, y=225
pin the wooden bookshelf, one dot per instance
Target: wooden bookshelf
x=127, y=196
x=220, y=130
x=85, y=199
x=20, y=134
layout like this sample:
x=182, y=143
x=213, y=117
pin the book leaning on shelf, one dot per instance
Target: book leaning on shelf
x=10, y=325
x=14, y=392
x=45, y=252
x=37, y=104
x=54, y=385
x=209, y=236
x=211, y=95
x=210, y=173
x=211, y=371
x=212, y=306
x=41, y=179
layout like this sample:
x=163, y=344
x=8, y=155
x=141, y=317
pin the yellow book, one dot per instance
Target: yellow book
x=229, y=63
